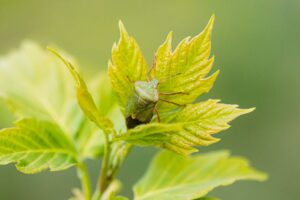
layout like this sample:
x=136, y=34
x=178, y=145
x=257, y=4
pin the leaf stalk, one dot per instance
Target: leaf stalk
x=85, y=180
x=102, y=182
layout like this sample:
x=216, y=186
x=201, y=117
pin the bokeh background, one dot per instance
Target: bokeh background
x=257, y=49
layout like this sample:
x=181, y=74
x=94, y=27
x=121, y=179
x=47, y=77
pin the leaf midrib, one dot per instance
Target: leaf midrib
x=68, y=152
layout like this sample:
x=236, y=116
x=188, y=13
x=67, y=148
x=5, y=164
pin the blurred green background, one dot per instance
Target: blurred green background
x=257, y=48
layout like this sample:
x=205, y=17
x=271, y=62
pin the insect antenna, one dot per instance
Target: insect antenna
x=170, y=77
x=153, y=67
x=171, y=102
x=173, y=93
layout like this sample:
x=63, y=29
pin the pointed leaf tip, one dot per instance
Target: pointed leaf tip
x=70, y=67
x=249, y=110
x=165, y=47
x=120, y=24
x=213, y=78
x=128, y=61
x=169, y=39
x=54, y=52
x=213, y=17
x=210, y=23
x=84, y=97
x=170, y=36
x=123, y=31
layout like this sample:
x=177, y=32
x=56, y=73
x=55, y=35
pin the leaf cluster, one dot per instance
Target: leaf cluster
x=61, y=124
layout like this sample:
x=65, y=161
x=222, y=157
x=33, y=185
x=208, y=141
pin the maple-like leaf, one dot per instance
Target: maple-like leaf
x=174, y=121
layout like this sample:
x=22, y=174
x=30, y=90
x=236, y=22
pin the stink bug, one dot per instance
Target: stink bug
x=142, y=103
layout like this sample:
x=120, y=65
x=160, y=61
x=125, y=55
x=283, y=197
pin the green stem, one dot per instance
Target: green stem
x=115, y=170
x=102, y=182
x=85, y=180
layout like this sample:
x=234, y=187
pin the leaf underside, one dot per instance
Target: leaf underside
x=192, y=126
x=185, y=178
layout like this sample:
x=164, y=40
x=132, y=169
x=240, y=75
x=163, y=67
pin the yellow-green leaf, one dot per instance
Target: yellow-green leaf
x=35, y=84
x=105, y=98
x=185, y=69
x=127, y=65
x=193, y=126
x=35, y=146
x=172, y=177
x=85, y=99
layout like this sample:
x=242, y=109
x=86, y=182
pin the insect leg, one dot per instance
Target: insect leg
x=152, y=68
x=131, y=81
x=173, y=93
x=170, y=77
x=157, y=113
x=171, y=102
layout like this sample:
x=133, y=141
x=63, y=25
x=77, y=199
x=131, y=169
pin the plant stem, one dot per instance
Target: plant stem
x=85, y=180
x=125, y=149
x=102, y=182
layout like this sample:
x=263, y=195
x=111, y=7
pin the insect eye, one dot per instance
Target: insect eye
x=154, y=82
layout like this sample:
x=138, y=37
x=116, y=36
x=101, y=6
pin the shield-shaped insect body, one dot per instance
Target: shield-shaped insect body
x=142, y=103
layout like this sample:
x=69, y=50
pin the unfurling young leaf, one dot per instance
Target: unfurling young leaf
x=35, y=146
x=85, y=99
x=173, y=177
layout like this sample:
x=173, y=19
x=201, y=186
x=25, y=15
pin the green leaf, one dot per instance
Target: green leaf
x=185, y=69
x=42, y=88
x=127, y=65
x=35, y=146
x=90, y=137
x=185, y=178
x=85, y=99
x=105, y=98
x=193, y=126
